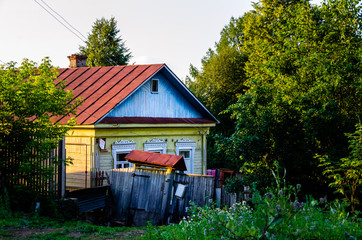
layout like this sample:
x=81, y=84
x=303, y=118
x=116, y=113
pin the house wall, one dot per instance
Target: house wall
x=141, y=135
x=82, y=146
x=168, y=102
x=79, y=145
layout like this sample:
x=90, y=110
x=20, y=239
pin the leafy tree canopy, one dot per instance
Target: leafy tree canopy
x=346, y=174
x=29, y=97
x=219, y=83
x=304, y=88
x=104, y=47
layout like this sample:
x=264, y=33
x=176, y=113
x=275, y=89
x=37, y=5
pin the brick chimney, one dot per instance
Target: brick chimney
x=77, y=61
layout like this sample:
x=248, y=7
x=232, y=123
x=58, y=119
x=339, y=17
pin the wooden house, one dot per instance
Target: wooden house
x=134, y=107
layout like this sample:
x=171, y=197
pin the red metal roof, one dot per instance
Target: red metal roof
x=152, y=120
x=102, y=88
x=157, y=159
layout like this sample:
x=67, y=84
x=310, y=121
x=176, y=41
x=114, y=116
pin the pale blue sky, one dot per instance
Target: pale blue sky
x=159, y=31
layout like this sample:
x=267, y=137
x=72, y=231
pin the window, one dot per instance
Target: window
x=187, y=157
x=120, y=150
x=185, y=153
x=186, y=148
x=155, y=151
x=122, y=162
x=154, y=86
x=156, y=145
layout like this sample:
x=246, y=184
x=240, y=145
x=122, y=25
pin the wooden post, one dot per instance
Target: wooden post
x=61, y=169
x=204, y=153
x=129, y=200
x=166, y=198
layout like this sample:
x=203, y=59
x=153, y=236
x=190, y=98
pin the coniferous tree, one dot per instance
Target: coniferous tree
x=104, y=47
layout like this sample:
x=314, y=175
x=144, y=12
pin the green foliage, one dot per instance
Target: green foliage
x=346, y=174
x=219, y=83
x=304, y=88
x=234, y=185
x=104, y=47
x=29, y=98
x=278, y=214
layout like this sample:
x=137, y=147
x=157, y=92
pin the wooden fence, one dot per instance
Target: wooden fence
x=229, y=199
x=148, y=194
x=20, y=166
x=198, y=190
x=99, y=178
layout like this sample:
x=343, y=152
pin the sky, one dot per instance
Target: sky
x=177, y=33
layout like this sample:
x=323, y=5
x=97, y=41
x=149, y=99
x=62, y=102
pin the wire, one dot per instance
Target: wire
x=64, y=19
x=75, y=32
x=59, y=20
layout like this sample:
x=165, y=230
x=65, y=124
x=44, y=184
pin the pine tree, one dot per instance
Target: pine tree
x=104, y=46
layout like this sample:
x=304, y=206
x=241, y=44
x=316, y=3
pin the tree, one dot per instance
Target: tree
x=304, y=88
x=29, y=97
x=346, y=174
x=104, y=46
x=219, y=83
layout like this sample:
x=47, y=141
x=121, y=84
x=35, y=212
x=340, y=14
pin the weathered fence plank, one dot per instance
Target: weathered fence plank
x=138, y=195
x=149, y=194
x=199, y=190
x=229, y=199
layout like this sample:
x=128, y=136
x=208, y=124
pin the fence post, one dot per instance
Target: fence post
x=61, y=170
x=166, y=198
x=129, y=200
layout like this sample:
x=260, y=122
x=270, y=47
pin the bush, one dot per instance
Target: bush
x=277, y=214
x=234, y=185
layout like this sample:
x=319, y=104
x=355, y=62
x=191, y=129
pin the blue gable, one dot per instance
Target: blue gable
x=168, y=102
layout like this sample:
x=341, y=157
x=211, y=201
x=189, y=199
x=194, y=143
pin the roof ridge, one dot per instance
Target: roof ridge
x=150, y=64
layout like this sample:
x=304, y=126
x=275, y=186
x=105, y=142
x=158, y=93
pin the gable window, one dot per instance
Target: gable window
x=120, y=150
x=154, y=86
x=156, y=145
x=186, y=148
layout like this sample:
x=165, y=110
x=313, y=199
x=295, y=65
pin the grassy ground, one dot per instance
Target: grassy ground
x=20, y=226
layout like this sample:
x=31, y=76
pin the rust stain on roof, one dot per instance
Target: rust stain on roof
x=176, y=162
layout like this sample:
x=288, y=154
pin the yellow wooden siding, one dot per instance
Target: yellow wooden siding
x=79, y=150
x=105, y=161
x=198, y=161
x=80, y=144
x=141, y=136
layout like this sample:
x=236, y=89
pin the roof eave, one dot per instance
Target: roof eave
x=154, y=125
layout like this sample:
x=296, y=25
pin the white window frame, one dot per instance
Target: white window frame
x=123, y=146
x=186, y=144
x=155, y=145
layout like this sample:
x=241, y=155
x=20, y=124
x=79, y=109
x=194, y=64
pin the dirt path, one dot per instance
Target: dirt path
x=24, y=233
